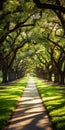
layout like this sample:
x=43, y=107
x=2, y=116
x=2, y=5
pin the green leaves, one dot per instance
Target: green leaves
x=10, y=6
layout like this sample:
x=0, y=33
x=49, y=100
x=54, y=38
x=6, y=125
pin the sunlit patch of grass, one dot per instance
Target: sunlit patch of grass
x=9, y=95
x=54, y=99
x=0, y=79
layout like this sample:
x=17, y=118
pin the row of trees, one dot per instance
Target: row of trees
x=32, y=35
x=14, y=16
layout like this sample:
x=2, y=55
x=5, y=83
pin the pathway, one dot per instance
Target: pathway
x=30, y=113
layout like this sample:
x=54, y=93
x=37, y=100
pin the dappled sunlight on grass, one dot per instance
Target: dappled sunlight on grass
x=54, y=99
x=0, y=79
x=9, y=95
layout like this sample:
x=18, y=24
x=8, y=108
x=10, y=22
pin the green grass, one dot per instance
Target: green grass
x=9, y=95
x=54, y=99
x=0, y=76
x=0, y=79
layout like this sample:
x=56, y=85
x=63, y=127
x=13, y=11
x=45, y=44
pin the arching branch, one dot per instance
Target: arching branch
x=49, y=6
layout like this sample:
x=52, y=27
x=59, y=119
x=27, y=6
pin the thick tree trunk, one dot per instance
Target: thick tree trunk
x=62, y=76
x=56, y=78
x=4, y=75
x=50, y=76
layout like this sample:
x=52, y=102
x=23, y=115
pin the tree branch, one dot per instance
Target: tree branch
x=20, y=24
x=16, y=49
x=49, y=6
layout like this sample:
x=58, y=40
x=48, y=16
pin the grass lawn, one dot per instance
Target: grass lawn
x=9, y=95
x=54, y=99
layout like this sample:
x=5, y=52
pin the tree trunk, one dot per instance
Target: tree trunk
x=50, y=76
x=56, y=77
x=62, y=76
x=4, y=75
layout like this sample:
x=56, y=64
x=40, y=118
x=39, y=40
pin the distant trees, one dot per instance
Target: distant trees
x=9, y=50
x=52, y=37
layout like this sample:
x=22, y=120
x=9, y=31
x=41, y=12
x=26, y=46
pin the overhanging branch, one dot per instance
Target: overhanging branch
x=49, y=6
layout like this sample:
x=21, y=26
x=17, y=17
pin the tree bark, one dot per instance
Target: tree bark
x=4, y=75
x=49, y=6
x=50, y=76
x=56, y=78
x=62, y=76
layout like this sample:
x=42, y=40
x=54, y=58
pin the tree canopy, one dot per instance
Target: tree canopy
x=32, y=38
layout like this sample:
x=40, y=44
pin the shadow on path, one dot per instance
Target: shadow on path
x=30, y=113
